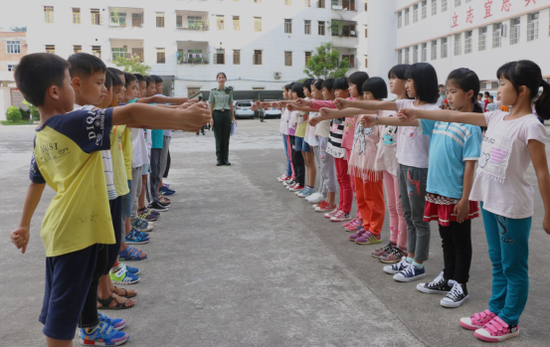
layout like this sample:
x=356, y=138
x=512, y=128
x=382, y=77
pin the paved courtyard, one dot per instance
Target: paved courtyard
x=240, y=261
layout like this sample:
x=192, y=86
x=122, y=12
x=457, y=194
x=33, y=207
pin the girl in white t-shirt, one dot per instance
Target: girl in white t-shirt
x=412, y=155
x=512, y=141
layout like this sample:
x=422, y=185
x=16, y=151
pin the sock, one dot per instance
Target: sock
x=410, y=260
x=90, y=330
x=310, y=187
x=418, y=266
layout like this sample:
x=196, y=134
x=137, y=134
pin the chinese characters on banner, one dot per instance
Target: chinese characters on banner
x=505, y=6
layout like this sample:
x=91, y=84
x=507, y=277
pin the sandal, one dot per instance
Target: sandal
x=128, y=293
x=136, y=238
x=131, y=253
x=120, y=303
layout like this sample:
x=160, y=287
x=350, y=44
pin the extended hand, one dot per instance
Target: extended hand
x=302, y=102
x=407, y=115
x=341, y=103
x=368, y=121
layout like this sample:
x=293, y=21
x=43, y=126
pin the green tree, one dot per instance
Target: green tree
x=13, y=114
x=132, y=65
x=324, y=63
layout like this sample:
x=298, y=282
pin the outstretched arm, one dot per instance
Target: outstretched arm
x=155, y=99
x=365, y=104
x=409, y=114
x=371, y=120
x=21, y=235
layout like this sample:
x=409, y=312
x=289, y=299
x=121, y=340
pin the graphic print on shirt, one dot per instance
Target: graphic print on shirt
x=390, y=134
x=408, y=131
x=360, y=135
x=495, y=154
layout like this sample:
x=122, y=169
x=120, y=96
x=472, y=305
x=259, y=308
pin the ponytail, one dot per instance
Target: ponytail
x=477, y=108
x=542, y=105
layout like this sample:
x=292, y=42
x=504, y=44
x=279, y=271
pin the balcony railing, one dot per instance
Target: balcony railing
x=194, y=61
x=200, y=26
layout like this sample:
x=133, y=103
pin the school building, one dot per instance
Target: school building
x=13, y=46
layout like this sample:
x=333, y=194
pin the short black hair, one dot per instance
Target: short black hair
x=318, y=83
x=149, y=79
x=115, y=71
x=358, y=78
x=377, y=87
x=109, y=79
x=425, y=82
x=139, y=77
x=288, y=87
x=398, y=71
x=129, y=78
x=157, y=78
x=298, y=88
x=85, y=65
x=307, y=84
x=36, y=72
x=341, y=83
x=116, y=79
x=328, y=83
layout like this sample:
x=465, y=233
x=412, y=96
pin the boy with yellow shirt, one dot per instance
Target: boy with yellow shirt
x=77, y=224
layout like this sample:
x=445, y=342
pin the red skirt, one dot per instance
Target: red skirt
x=441, y=209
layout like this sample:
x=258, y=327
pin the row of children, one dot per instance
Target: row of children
x=377, y=144
x=91, y=149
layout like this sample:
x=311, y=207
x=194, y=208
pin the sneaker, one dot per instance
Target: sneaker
x=123, y=276
x=352, y=227
x=117, y=323
x=357, y=234
x=135, y=237
x=164, y=201
x=353, y=221
x=130, y=269
x=166, y=191
x=148, y=215
x=497, y=330
x=456, y=296
x=438, y=286
x=306, y=192
x=155, y=206
x=291, y=185
x=368, y=238
x=315, y=198
x=397, y=267
x=289, y=182
x=410, y=273
x=283, y=178
x=394, y=256
x=103, y=335
x=331, y=213
x=341, y=216
x=143, y=226
x=477, y=321
x=325, y=207
x=296, y=187
x=377, y=253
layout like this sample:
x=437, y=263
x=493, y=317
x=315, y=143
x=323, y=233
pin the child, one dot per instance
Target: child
x=299, y=146
x=511, y=142
x=67, y=157
x=283, y=129
x=412, y=155
x=491, y=106
x=304, y=144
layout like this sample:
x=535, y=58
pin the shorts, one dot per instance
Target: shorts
x=145, y=169
x=127, y=203
x=301, y=145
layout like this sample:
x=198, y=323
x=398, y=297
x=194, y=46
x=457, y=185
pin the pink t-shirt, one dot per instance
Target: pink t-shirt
x=362, y=158
x=349, y=130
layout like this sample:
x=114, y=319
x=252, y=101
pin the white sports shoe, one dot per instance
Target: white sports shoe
x=315, y=198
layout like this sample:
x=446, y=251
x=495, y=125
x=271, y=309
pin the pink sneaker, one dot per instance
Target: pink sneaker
x=478, y=320
x=331, y=214
x=353, y=227
x=357, y=234
x=497, y=330
x=340, y=216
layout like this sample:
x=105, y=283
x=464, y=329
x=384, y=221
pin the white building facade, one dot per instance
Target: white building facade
x=259, y=44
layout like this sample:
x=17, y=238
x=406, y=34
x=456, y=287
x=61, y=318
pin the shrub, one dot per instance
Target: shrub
x=13, y=114
x=24, y=114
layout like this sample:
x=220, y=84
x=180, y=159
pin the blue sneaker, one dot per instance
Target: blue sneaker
x=304, y=193
x=103, y=335
x=396, y=268
x=123, y=276
x=166, y=191
x=411, y=273
x=142, y=225
x=135, y=237
x=130, y=269
x=117, y=323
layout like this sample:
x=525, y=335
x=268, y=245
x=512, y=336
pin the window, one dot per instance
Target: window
x=424, y=9
x=119, y=52
x=468, y=42
x=192, y=91
x=443, y=48
x=458, y=44
x=321, y=3
x=288, y=58
x=288, y=2
x=415, y=54
x=434, y=7
x=400, y=56
x=307, y=56
x=236, y=57
x=348, y=30
x=96, y=19
x=220, y=23
x=160, y=19
x=11, y=67
x=351, y=60
x=407, y=16
x=366, y=62
x=77, y=48
x=366, y=32
x=532, y=26
x=321, y=29
x=366, y=5
x=193, y=22
x=348, y=5
x=76, y=16
x=424, y=52
x=399, y=19
x=48, y=14
x=138, y=52
x=96, y=50
x=443, y=5
x=407, y=55
x=457, y=3
x=482, y=38
x=415, y=13
x=434, y=49
x=257, y=57
x=161, y=56
x=288, y=26
x=514, y=30
x=13, y=47
x=137, y=20
x=497, y=42
x=50, y=49
x=307, y=27
x=257, y=24
x=219, y=56
x=236, y=23
x=307, y=3
x=118, y=19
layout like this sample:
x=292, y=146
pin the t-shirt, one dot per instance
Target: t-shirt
x=336, y=133
x=500, y=178
x=127, y=150
x=139, y=148
x=283, y=125
x=302, y=125
x=310, y=136
x=450, y=145
x=386, y=159
x=361, y=161
x=67, y=157
x=120, y=175
x=157, y=138
x=413, y=148
x=292, y=122
x=349, y=130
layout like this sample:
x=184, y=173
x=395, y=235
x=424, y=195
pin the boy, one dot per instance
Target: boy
x=77, y=224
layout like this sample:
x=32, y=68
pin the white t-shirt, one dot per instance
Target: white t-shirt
x=413, y=148
x=500, y=181
x=387, y=146
x=140, y=157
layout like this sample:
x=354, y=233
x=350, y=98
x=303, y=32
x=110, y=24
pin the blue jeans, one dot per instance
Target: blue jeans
x=508, y=241
x=288, y=165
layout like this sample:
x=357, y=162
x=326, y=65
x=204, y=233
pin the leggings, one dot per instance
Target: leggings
x=346, y=194
x=352, y=183
x=327, y=171
x=398, y=226
x=322, y=186
x=286, y=143
x=298, y=162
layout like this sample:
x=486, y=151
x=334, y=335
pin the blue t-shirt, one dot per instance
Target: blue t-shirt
x=157, y=138
x=450, y=145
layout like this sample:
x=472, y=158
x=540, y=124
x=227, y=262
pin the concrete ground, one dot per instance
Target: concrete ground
x=240, y=261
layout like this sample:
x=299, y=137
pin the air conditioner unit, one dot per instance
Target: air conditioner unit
x=277, y=75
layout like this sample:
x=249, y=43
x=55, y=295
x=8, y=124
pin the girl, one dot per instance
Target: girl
x=297, y=140
x=412, y=155
x=283, y=129
x=511, y=142
x=315, y=159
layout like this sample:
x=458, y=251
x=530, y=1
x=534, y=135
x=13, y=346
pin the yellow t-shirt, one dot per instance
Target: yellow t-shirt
x=67, y=157
x=120, y=177
x=128, y=150
x=302, y=125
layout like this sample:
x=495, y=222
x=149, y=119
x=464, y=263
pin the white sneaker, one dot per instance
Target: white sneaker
x=315, y=198
x=455, y=297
